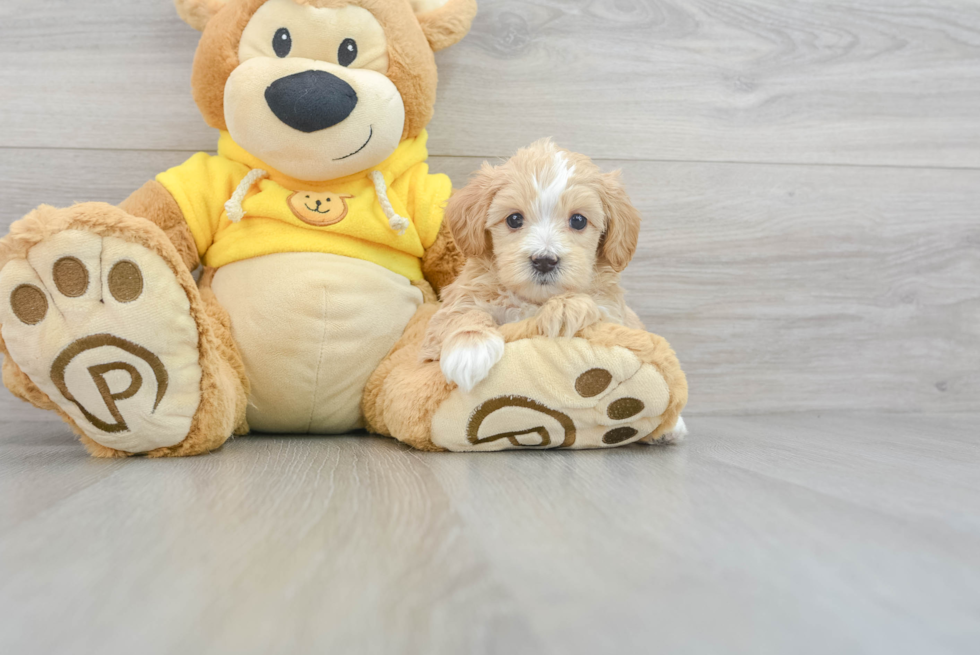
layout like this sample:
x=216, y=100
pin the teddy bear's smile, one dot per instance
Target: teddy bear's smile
x=317, y=208
x=370, y=136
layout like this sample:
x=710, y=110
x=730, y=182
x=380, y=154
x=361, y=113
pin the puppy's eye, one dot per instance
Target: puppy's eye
x=578, y=222
x=515, y=221
x=282, y=42
x=347, y=53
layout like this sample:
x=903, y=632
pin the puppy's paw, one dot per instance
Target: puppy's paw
x=565, y=316
x=468, y=360
x=677, y=433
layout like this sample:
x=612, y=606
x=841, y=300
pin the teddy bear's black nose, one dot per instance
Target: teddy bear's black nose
x=311, y=101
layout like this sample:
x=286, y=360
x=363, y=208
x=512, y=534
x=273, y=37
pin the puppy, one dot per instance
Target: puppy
x=547, y=235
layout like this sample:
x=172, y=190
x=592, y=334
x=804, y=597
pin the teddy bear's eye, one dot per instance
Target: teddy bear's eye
x=282, y=42
x=347, y=53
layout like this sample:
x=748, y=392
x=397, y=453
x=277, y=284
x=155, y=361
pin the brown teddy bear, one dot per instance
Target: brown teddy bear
x=320, y=230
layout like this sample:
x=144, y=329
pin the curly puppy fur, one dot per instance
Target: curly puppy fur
x=547, y=235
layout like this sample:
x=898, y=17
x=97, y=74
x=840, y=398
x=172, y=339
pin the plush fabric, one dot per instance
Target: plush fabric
x=137, y=383
x=279, y=218
x=412, y=65
x=223, y=388
x=609, y=387
x=308, y=338
x=444, y=22
x=154, y=202
x=197, y=13
x=443, y=261
x=306, y=318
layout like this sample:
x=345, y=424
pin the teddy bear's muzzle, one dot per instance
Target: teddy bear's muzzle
x=311, y=101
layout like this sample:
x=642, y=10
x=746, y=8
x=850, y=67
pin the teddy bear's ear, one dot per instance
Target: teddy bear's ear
x=445, y=22
x=197, y=13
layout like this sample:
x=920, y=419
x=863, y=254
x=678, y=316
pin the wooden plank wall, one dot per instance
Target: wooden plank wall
x=809, y=172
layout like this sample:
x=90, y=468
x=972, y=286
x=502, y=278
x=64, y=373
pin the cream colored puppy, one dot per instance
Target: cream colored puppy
x=547, y=235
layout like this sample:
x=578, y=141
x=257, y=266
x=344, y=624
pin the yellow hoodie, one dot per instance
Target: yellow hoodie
x=273, y=213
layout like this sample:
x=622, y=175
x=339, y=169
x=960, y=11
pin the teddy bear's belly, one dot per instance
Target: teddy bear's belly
x=311, y=329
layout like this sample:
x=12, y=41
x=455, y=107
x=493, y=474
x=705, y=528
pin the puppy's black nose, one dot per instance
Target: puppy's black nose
x=311, y=101
x=544, y=264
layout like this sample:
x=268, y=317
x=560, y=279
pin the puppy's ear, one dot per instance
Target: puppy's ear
x=619, y=242
x=445, y=22
x=467, y=212
x=197, y=13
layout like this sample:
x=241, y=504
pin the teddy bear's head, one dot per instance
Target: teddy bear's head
x=320, y=89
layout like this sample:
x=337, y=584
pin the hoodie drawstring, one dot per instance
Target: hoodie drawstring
x=236, y=213
x=234, y=206
x=398, y=223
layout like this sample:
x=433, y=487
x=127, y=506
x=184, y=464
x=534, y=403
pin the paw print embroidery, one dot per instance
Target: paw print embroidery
x=593, y=383
x=556, y=429
x=521, y=437
x=103, y=327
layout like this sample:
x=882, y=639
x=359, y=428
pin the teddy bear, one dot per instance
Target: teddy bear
x=320, y=231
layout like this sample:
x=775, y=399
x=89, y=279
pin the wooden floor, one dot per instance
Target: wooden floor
x=809, y=174
x=817, y=533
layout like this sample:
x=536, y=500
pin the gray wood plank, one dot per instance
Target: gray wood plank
x=781, y=555
x=856, y=81
x=812, y=533
x=41, y=465
x=782, y=288
x=317, y=546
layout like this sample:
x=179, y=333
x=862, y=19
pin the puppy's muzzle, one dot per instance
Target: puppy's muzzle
x=311, y=101
x=544, y=264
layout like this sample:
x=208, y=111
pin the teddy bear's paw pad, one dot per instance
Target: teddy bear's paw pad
x=103, y=327
x=555, y=394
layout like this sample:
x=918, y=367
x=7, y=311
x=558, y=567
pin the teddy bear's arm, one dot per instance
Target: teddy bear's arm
x=442, y=261
x=154, y=203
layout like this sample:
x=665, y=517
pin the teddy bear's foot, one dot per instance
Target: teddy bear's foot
x=569, y=393
x=104, y=329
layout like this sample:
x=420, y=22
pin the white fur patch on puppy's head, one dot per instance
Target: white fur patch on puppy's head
x=547, y=220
